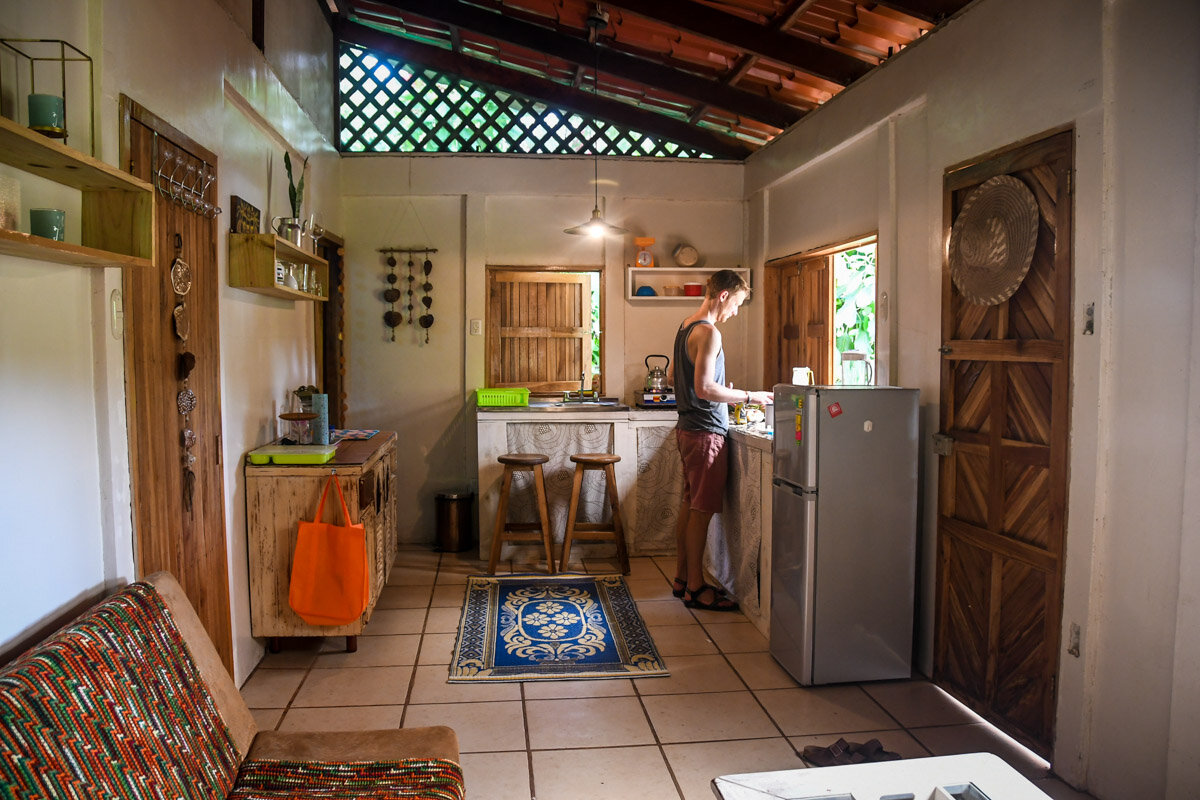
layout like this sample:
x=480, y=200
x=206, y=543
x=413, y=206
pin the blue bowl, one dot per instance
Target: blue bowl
x=645, y=291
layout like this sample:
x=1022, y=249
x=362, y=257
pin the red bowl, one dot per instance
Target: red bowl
x=693, y=289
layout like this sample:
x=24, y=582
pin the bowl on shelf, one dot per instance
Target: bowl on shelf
x=673, y=291
x=693, y=289
x=645, y=291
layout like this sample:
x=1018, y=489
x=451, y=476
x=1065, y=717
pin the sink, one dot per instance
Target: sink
x=602, y=404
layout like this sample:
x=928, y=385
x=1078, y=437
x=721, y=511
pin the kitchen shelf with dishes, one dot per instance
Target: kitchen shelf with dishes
x=662, y=280
x=270, y=265
x=117, y=209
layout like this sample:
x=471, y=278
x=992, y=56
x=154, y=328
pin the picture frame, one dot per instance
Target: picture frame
x=246, y=218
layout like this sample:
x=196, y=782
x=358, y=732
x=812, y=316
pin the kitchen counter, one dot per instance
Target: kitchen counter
x=582, y=414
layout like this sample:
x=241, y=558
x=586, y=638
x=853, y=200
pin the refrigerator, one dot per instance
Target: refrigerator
x=843, y=532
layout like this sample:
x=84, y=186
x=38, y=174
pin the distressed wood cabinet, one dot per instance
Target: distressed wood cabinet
x=278, y=496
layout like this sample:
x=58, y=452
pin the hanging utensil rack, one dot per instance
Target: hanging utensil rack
x=184, y=180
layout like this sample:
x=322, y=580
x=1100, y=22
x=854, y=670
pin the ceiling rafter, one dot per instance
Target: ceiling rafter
x=931, y=11
x=545, y=40
x=649, y=122
x=743, y=34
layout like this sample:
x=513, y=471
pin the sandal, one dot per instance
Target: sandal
x=678, y=587
x=719, y=602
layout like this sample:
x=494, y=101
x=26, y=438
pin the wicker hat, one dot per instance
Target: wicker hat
x=993, y=239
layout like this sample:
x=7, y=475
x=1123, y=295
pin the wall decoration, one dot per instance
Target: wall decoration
x=391, y=295
x=246, y=218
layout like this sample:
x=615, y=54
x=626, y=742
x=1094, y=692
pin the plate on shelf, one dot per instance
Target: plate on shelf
x=686, y=256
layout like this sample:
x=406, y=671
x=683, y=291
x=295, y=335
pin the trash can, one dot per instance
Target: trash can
x=454, y=521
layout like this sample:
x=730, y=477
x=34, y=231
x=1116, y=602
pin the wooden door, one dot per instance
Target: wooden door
x=539, y=330
x=799, y=318
x=185, y=536
x=1005, y=395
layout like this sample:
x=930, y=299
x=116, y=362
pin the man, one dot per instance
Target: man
x=702, y=397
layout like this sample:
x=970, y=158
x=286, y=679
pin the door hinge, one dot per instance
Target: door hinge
x=945, y=349
x=943, y=444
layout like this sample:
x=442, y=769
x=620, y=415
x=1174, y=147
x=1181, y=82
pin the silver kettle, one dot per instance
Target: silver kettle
x=656, y=378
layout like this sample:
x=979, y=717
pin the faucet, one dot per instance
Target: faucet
x=583, y=393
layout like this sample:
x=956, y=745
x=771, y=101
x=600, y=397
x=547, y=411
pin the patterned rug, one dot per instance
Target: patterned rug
x=555, y=627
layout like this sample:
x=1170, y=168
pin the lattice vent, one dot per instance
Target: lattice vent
x=392, y=107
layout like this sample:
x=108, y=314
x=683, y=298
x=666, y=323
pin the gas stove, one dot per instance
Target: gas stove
x=663, y=399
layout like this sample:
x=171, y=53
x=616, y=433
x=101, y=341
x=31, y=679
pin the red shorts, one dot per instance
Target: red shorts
x=705, y=468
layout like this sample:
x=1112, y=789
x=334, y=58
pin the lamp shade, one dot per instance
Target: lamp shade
x=596, y=226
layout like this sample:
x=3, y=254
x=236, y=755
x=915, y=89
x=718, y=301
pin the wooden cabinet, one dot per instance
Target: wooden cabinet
x=255, y=260
x=117, y=209
x=658, y=278
x=279, y=496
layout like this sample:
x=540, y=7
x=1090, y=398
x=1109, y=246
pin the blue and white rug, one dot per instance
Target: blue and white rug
x=558, y=627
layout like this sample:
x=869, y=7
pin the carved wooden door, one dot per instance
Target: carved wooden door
x=1002, y=501
x=170, y=359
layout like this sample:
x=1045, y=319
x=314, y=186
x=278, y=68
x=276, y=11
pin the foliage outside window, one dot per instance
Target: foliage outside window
x=387, y=106
x=854, y=302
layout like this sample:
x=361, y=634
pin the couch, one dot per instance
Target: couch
x=132, y=701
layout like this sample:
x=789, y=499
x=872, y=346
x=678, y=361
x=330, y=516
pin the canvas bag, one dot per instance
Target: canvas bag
x=329, y=583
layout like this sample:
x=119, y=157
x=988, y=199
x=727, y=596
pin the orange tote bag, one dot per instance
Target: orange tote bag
x=329, y=584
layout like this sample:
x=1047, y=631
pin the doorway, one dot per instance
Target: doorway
x=1002, y=492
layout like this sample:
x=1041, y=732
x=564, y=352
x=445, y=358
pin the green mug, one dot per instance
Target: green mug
x=47, y=114
x=49, y=223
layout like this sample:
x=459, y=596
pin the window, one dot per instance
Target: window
x=386, y=106
x=543, y=328
x=821, y=314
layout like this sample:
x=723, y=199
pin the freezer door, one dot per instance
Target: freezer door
x=866, y=535
x=795, y=451
x=793, y=515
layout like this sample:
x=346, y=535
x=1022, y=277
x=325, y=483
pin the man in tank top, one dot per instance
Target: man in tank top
x=702, y=398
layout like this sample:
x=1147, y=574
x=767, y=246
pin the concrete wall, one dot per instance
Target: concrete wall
x=1127, y=712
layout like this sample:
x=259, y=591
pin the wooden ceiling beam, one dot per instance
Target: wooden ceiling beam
x=547, y=91
x=544, y=40
x=932, y=11
x=743, y=34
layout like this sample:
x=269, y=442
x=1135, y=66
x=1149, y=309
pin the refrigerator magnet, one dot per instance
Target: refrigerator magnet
x=834, y=409
x=799, y=429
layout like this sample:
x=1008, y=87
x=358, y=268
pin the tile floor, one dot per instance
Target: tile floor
x=726, y=708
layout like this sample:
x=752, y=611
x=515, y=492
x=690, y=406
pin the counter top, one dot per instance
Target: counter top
x=527, y=414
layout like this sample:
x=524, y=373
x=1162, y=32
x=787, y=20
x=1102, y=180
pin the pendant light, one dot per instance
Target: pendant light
x=597, y=226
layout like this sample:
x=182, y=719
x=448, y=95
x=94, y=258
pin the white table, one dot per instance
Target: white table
x=974, y=776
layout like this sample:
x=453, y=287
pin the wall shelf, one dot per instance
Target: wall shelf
x=658, y=277
x=252, y=258
x=116, y=209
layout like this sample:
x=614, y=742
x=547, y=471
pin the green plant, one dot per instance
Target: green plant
x=854, y=301
x=295, y=188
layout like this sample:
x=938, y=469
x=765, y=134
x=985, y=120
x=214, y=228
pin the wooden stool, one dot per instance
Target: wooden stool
x=595, y=530
x=522, y=531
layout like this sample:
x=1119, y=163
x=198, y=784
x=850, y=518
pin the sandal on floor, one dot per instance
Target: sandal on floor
x=719, y=602
x=675, y=587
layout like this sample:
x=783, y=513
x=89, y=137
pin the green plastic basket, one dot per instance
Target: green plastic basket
x=502, y=397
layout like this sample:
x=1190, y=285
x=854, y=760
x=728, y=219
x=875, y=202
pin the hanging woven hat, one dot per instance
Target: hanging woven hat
x=993, y=239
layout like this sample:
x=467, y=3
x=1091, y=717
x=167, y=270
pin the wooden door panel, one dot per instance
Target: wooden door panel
x=188, y=542
x=539, y=330
x=1005, y=404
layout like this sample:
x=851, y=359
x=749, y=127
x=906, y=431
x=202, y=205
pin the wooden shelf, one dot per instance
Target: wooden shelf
x=252, y=258
x=117, y=209
x=658, y=277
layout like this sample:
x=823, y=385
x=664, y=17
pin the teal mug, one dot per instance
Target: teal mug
x=49, y=223
x=47, y=114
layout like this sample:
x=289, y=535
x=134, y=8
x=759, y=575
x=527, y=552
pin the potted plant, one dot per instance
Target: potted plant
x=292, y=228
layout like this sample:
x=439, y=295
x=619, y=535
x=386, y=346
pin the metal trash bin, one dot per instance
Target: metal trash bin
x=454, y=521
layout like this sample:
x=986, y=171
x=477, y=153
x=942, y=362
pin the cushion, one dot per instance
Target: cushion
x=411, y=779
x=113, y=705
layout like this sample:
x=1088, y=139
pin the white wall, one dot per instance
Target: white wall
x=479, y=211
x=1128, y=709
x=192, y=65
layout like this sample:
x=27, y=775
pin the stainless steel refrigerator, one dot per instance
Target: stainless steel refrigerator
x=843, y=533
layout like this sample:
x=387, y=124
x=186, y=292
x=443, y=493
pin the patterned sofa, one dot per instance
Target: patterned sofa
x=132, y=701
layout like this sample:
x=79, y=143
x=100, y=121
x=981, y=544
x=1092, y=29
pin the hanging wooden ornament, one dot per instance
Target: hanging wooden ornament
x=391, y=317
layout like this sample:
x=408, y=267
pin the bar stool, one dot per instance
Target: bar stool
x=522, y=531
x=595, y=530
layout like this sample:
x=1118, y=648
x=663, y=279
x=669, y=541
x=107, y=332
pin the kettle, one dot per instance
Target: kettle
x=656, y=378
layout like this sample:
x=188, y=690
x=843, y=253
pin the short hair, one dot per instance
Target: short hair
x=726, y=280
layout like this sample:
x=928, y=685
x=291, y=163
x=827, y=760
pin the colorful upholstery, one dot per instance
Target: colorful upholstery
x=413, y=779
x=112, y=706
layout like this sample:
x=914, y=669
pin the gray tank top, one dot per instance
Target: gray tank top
x=696, y=414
